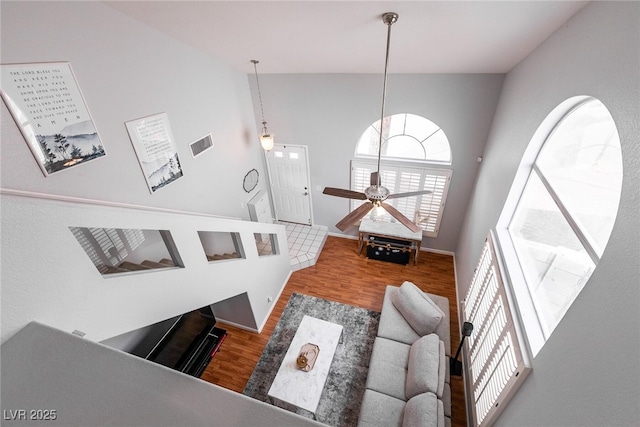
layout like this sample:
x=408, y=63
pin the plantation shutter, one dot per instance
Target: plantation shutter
x=134, y=238
x=86, y=243
x=427, y=209
x=409, y=181
x=432, y=204
x=495, y=363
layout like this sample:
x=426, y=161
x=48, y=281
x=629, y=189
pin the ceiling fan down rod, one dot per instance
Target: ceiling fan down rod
x=388, y=18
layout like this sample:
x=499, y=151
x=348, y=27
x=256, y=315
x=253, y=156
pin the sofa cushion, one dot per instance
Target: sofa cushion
x=388, y=367
x=446, y=400
x=378, y=409
x=422, y=411
x=392, y=324
x=417, y=308
x=442, y=370
x=442, y=420
x=444, y=327
x=425, y=368
x=395, y=327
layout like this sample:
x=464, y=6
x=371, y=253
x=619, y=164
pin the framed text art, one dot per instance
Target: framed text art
x=48, y=107
x=155, y=147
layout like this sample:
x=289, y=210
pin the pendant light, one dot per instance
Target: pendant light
x=266, y=138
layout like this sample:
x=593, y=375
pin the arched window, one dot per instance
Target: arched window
x=406, y=136
x=409, y=144
x=559, y=217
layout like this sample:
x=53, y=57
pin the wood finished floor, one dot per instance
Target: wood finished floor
x=343, y=276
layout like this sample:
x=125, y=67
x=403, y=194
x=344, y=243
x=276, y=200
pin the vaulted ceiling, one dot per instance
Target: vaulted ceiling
x=308, y=36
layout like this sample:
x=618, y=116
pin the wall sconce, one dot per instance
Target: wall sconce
x=455, y=365
x=266, y=138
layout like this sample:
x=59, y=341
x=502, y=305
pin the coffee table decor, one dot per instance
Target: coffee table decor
x=308, y=356
x=339, y=403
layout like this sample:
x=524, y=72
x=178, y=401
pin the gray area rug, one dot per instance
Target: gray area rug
x=340, y=401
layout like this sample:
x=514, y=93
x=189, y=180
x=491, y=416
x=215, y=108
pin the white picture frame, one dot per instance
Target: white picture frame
x=51, y=113
x=155, y=147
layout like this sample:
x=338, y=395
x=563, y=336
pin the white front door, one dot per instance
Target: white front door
x=289, y=176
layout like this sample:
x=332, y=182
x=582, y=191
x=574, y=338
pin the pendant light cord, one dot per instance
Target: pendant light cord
x=264, y=123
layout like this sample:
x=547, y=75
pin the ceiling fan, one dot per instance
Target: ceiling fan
x=376, y=194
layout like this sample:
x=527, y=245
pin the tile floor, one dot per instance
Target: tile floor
x=305, y=243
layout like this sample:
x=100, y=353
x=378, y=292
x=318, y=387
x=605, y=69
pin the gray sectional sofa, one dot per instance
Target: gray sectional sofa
x=408, y=379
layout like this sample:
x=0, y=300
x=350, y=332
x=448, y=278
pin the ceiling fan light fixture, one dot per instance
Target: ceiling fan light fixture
x=378, y=210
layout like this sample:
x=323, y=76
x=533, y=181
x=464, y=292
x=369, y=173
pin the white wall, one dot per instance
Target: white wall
x=588, y=373
x=91, y=385
x=329, y=113
x=125, y=71
x=46, y=276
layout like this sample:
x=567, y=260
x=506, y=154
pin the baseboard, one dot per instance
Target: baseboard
x=438, y=251
x=275, y=301
x=343, y=236
x=235, y=325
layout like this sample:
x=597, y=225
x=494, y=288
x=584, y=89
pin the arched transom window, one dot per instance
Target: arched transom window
x=406, y=136
x=410, y=144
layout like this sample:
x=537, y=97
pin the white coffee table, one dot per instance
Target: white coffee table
x=300, y=388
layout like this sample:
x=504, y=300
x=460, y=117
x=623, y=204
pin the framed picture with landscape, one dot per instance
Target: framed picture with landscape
x=155, y=147
x=50, y=111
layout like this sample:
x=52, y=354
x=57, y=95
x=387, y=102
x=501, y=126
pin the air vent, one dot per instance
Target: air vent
x=201, y=145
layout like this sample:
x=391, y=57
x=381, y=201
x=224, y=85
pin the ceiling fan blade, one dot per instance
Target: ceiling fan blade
x=409, y=194
x=400, y=217
x=347, y=194
x=375, y=179
x=354, y=216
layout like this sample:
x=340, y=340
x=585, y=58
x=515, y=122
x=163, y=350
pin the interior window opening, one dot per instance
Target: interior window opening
x=266, y=244
x=221, y=245
x=117, y=250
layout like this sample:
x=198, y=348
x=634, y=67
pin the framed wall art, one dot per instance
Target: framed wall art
x=155, y=147
x=48, y=107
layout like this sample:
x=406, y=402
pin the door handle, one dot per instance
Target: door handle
x=305, y=194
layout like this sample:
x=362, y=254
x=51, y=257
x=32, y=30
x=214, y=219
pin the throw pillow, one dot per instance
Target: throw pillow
x=422, y=314
x=424, y=371
x=421, y=411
